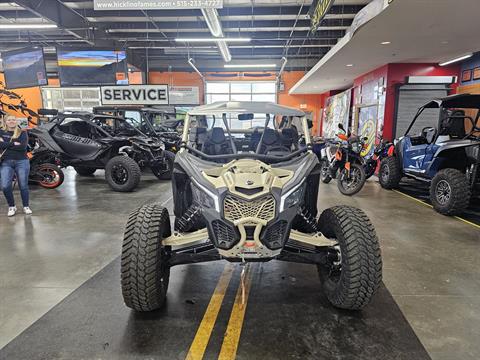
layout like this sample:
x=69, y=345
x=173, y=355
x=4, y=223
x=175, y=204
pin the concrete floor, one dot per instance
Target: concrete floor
x=431, y=263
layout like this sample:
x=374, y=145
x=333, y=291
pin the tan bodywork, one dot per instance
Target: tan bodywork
x=254, y=208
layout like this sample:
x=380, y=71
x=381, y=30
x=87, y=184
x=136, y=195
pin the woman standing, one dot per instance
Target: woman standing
x=14, y=161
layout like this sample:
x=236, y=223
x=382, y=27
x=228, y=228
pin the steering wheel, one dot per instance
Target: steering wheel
x=426, y=131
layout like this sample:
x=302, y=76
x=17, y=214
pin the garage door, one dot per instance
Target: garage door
x=410, y=98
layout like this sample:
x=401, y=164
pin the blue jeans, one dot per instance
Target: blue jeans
x=8, y=169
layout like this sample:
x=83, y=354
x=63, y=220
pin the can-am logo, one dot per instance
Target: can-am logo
x=135, y=95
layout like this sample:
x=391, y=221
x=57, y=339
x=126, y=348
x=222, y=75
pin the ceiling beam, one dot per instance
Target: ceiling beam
x=65, y=18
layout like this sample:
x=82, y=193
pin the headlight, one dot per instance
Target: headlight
x=292, y=198
x=204, y=196
x=357, y=147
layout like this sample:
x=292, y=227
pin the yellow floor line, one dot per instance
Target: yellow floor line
x=467, y=222
x=424, y=203
x=234, y=327
x=411, y=197
x=200, y=342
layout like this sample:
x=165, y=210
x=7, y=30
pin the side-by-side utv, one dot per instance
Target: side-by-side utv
x=446, y=155
x=245, y=193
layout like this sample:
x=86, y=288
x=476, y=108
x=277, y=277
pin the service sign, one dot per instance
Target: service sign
x=135, y=95
x=317, y=12
x=184, y=95
x=155, y=4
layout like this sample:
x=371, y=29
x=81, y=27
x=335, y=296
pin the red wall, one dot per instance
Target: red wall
x=395, y=75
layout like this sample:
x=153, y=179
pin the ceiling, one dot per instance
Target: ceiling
x=278, y=28
x=420, y=31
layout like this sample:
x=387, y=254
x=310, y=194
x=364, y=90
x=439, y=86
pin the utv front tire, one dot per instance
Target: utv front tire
x=144, y=270
x=122, y=173
x=390, y=173
x=85, y=171
x=450, y=192
x=353, y=271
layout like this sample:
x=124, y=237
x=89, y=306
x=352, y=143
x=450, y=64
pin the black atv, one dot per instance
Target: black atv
x=89, y=142
x=161, y=124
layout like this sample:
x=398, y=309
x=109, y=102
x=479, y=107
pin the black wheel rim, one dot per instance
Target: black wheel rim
x=443, y=192
x=119, y=174
x=333, y=267
x=385, y=173
x=352, y=180
x=324, y=171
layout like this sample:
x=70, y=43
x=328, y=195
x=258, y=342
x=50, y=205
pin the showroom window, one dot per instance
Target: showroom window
x=242, y=91
x=71, y=99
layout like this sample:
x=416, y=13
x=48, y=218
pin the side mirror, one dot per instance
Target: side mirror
x=340, y=126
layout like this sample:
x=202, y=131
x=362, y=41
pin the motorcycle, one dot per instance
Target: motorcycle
x=42, y=172
x=341, y=160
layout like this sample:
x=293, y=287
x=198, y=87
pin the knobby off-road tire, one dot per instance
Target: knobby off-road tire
x=360, y=273
x=390, y=173
x=325, y=172
x=166, y=175
x=85, y=171
x=450, y=192
x=357, y=186
x=145, y=270
x=132, y=173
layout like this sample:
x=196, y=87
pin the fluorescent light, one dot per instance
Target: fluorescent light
x=456, y=60
x=349, y=65
x=27, y=26
x=249, y=65
x=212, y=39
x=386, y=42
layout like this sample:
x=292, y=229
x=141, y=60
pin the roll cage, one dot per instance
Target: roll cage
x=245, y=111
x=458, y=101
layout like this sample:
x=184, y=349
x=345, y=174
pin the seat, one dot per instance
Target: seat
x=271, y=142
x=254, y=139
x=216, y=143
x=453, y=125
x=290, y=138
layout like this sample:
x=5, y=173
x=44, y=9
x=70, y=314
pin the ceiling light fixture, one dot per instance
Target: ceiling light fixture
x=385, y=42
x=349, y=65
x=212, y=39
x=27, y=26
x=249, y=65
x=456, y=60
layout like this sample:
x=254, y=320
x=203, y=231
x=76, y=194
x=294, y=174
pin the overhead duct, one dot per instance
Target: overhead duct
x=222, y=46
x=215, y=27
x=213, y=21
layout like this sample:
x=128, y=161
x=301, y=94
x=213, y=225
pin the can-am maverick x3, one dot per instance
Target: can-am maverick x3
x=247, y=195
x=89, y=142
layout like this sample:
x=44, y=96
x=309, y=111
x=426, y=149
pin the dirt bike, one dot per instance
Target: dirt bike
x=341, y=160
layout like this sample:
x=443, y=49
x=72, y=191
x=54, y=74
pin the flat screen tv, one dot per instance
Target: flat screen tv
x=24, y=68
x=83, y=67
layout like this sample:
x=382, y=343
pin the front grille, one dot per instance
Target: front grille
x=236, y=209
x=275, y=234
x=224, y=234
